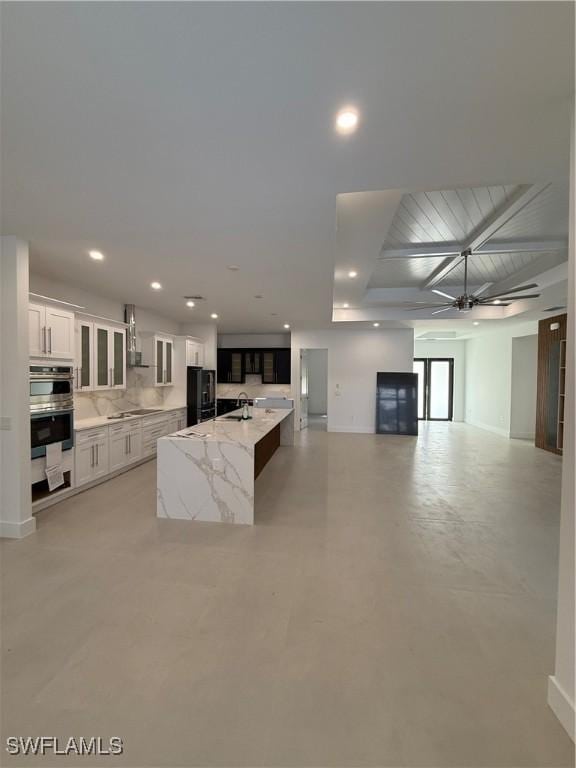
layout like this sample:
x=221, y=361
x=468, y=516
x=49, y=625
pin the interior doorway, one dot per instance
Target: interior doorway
x=314, y=389
x=435, y=388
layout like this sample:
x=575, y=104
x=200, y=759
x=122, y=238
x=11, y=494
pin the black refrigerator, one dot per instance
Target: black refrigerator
x=200, y=395
x=397, y=403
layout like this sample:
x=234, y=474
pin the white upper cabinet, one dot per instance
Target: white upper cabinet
x=100, y=355
x=159, y=350
x=50, y=332
x=194, y=352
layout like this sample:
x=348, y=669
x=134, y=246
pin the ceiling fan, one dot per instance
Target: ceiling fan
x=467, y=301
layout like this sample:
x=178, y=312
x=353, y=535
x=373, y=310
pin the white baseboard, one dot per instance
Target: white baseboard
x=353, y=430
x=10, y=530
x=561, y=705
x=523, y=436
x=489, y=428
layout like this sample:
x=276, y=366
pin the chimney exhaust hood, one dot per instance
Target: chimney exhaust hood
x=133, y=357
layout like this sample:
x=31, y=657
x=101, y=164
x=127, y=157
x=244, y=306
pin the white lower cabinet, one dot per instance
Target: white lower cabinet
x=91, y=455
x=177, y=421
x=104, y=450
x=125, y=445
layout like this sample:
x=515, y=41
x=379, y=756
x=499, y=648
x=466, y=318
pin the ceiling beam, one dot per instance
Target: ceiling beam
x=489, y=227
x=430, y=250
x=502, y=215
x=420, y=251
x=521, y=246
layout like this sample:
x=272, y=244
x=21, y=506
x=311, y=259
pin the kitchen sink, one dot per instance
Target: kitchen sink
x=138, y=412
x=143, y=411
x=236, y=418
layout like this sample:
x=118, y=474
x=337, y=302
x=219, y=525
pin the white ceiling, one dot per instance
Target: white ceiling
x=179, y=138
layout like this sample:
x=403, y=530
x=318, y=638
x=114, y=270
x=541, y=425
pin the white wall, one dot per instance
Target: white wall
x=317, y=381
x=561, y=684
x=523, y=387
x=256, y=340
x=354, y=358
x=16, y=518
x=100, y=305
x=488, y=378
x=456, y=350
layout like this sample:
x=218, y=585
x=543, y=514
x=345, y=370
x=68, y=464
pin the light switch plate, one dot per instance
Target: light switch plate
x=217, y=464
x=5, y=423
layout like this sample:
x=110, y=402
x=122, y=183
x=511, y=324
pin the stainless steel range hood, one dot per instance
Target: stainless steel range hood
x=133, y=358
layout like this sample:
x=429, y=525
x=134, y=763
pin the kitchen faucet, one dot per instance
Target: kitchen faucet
x=242, y=395
x=245, y=409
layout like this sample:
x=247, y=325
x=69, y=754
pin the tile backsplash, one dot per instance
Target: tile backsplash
x=105, y=402
x=254, y=388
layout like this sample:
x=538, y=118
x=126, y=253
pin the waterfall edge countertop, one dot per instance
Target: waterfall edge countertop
x=207, y=472
x=247, y=432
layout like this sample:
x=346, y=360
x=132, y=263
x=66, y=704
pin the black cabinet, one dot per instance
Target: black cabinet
x=282, y=366
x=230, y=366
x=272, y=365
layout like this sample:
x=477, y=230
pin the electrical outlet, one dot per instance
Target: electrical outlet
x=217, y=465
x=6, y=423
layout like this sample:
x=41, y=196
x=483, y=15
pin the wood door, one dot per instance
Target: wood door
x=551, y=383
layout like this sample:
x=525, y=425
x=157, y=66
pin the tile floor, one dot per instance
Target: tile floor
x=393, y=606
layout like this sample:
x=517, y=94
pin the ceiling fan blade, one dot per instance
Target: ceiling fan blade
x=441, y=293
x=429, y=306
x=515, y=290
x=485, y=303
x=443, y=310
x=489, y=300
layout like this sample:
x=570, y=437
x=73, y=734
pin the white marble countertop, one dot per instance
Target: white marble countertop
x=104, y=421
x=223, y=430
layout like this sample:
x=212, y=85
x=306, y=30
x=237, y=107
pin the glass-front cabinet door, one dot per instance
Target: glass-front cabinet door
x=168, y=357
x=83, y=366
x=159, y=361
x=118, y=338
x=103, y=363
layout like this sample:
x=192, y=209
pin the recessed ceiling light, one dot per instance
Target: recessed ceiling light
x=190, y=304
x=475, y=322
x=286, y=325
x=233, y=267
x=376, y=325
x=156, y=285
x=96, y=255
x=497, y=301
x=352, y=273
x=214, y=316
x=347, y=121
x=345, y=306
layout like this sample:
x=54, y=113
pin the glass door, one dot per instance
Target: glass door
x=435, y=387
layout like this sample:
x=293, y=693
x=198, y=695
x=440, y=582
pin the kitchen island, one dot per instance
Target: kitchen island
x=208, y=472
